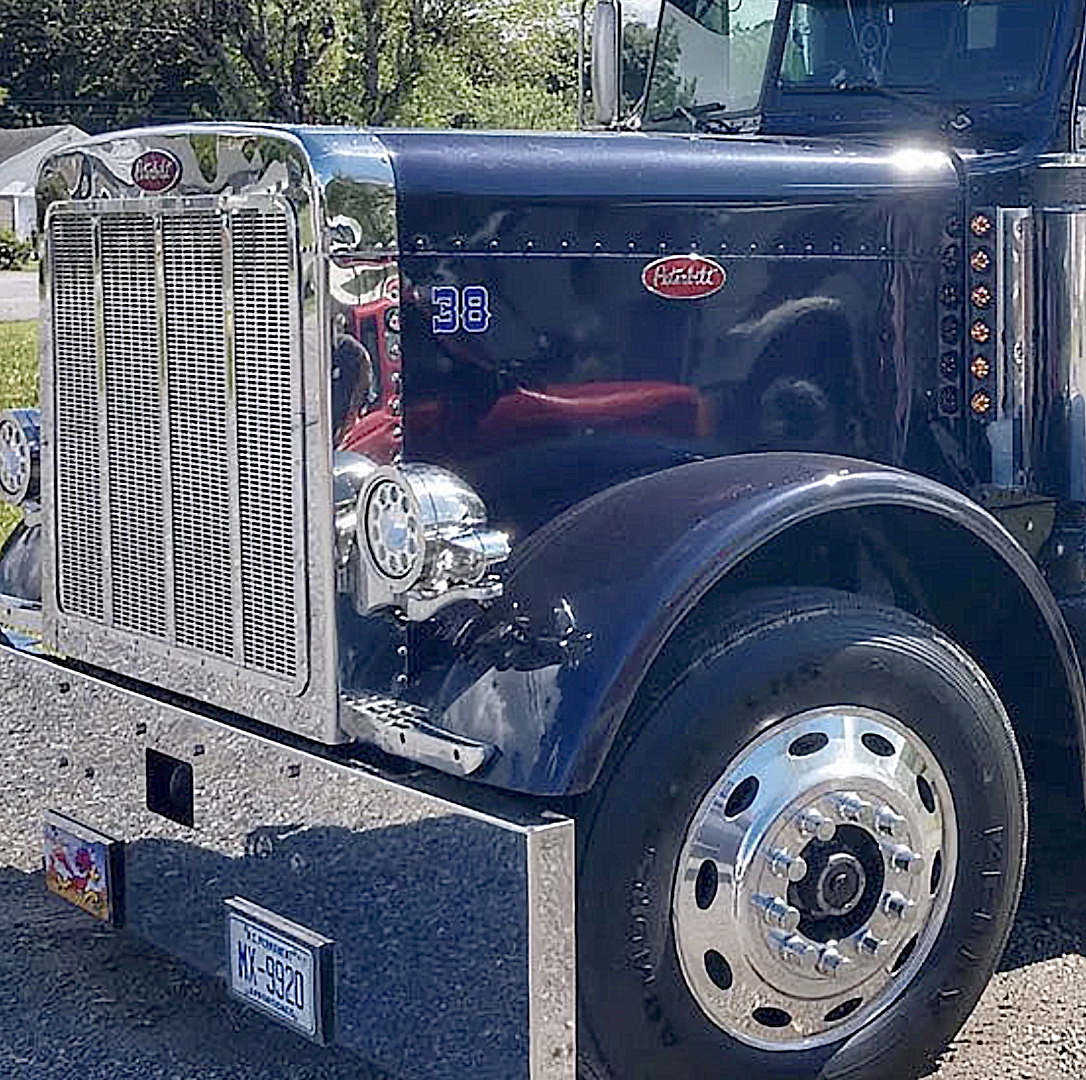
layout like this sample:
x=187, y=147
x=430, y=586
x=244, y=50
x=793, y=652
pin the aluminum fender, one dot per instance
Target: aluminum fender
x=594, y=595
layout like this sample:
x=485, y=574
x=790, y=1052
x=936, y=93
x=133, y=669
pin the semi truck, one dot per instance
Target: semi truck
x=530, y=605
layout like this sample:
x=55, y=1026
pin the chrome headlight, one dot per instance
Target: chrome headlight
x=20, y=455
x=424, y=539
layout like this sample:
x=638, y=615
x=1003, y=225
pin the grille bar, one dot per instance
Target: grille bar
x=78, y=492
x=179, y=490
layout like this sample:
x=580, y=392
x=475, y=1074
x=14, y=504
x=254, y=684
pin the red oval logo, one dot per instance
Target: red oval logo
x=156, y=171
x=684, y=277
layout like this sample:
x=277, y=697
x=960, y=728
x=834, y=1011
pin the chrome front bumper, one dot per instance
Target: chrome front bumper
x=451, y=907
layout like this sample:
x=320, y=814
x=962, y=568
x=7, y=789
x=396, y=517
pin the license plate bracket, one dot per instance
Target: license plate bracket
x=84, y=866
x=281, y=968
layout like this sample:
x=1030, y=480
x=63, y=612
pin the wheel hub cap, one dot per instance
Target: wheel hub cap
x=814, y=878
x=840, y=885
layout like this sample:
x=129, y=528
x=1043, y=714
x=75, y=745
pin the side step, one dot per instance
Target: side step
x=404, y=730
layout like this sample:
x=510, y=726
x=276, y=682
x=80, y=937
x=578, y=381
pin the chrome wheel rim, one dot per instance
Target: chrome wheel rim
x=14, y=459
x=814, y=878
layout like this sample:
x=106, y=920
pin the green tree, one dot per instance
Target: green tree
x=111, y=63
x=265, y=57
x=97, y=64
x=509, y=66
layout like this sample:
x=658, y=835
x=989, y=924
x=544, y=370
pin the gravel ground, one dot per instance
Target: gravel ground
x=1031, y=1022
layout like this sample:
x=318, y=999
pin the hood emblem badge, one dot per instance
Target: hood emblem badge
x=156, y=171
x=684, y=277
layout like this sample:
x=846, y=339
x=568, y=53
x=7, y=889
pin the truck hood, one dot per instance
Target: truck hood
x=451, y=183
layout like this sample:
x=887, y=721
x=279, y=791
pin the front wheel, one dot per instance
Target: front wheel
x=805, y=854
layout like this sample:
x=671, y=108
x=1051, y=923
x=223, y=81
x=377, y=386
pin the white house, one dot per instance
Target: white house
x=21, y=151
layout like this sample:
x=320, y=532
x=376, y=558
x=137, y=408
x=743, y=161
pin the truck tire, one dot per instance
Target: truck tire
x=805, y=852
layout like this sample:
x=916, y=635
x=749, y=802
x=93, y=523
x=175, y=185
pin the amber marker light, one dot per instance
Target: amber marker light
x=981, y=296
x=980, y=332
x=980, y=367
x=980, y=402
x=981, y=225
x=980, y=260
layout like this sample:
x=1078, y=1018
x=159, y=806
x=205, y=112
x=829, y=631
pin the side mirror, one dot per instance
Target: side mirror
x=606, y=53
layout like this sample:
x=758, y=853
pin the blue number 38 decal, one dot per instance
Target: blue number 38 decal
x=460, y=309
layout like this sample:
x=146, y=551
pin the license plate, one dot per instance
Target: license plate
x=84, y=866
x=281, y=968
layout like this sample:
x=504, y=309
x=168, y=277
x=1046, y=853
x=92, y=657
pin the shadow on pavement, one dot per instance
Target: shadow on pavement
x=79, y=1000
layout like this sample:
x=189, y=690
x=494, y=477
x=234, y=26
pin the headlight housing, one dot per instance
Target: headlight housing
x=20, y=456
x=424, y=540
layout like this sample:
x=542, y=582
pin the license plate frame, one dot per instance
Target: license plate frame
x=83, y=866
x=301, y=999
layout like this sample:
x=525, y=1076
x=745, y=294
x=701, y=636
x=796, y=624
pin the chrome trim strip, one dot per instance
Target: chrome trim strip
x=103, y=423
x=164, y=431
x=1061, y=273
x=234, y=479
x=1010, y=434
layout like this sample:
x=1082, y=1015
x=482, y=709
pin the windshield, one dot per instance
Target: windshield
x=710, y=51
x=711, y=55
x=963, y=51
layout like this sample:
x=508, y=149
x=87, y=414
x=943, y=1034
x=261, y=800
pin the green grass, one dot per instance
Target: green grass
x=18, y=386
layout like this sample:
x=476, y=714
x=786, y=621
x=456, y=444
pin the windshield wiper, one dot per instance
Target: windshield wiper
x=917, y=99
x=959, y=121
x=700, y=119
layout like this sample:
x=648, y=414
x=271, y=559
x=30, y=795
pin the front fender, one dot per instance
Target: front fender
x=593, y=596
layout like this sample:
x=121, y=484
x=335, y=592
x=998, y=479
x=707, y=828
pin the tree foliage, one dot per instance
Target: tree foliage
x=109, y=63
x=97, y=64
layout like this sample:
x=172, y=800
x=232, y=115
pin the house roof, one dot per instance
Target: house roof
x=14, y=141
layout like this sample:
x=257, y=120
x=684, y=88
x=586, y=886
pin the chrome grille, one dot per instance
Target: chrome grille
x=179, y=497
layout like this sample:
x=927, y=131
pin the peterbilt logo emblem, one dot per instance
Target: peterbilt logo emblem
x=684, y=277
x=156, y=171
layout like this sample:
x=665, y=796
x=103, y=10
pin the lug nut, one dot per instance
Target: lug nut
x=851, y=807
x=830, y=961
x=888, y=823
x=898, y=906
x=906, y=860
x=813, y=823
x=793, y=949
x=777, y=911
x=787, y=866
x=867, y=944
